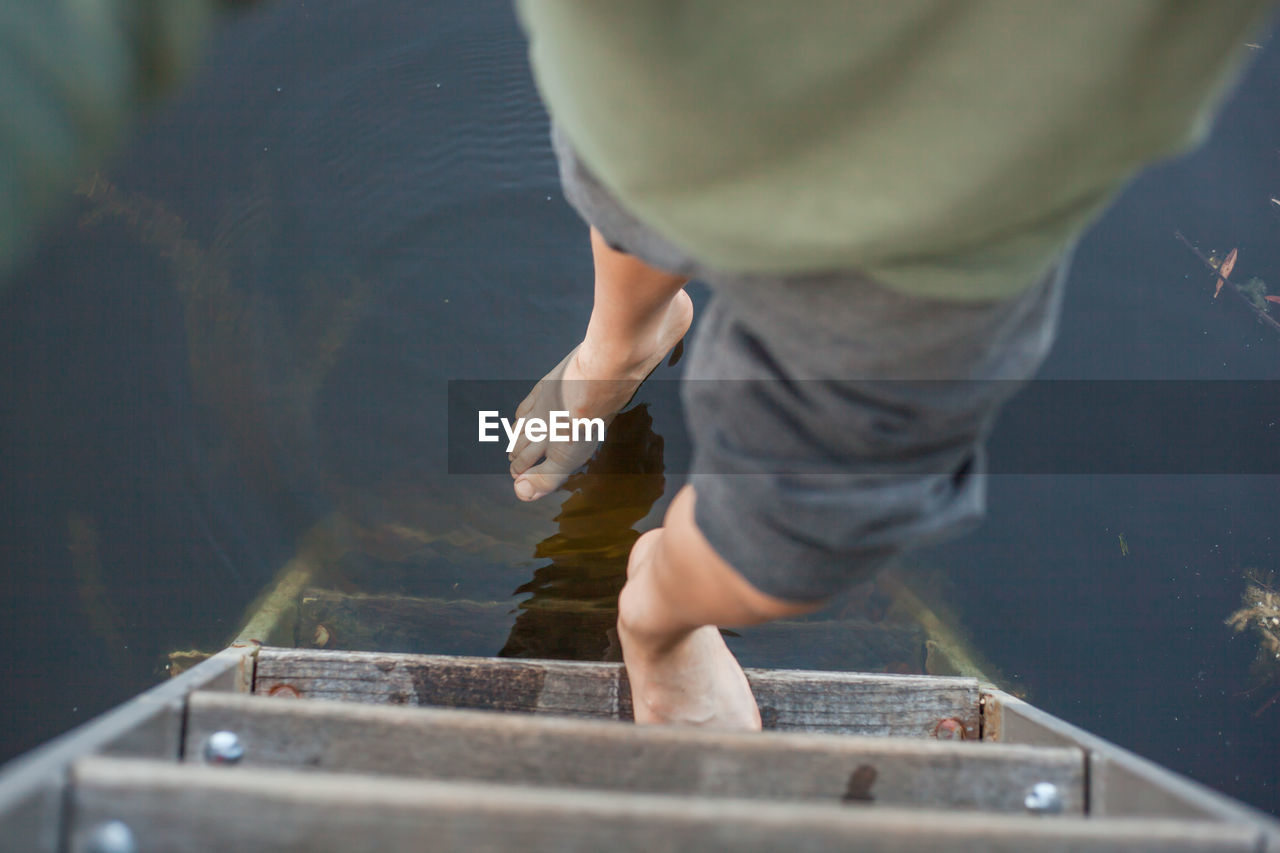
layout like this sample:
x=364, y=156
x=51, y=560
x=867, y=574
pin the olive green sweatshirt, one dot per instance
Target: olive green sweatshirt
x=950, y=148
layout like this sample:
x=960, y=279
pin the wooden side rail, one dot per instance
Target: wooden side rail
x=149, y=725
x=1121, y=784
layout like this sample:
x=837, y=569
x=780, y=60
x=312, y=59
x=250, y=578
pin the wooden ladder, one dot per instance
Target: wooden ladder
x=271, y=749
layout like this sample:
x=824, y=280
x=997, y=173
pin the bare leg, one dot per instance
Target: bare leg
x=639, y=314
x=678, y=590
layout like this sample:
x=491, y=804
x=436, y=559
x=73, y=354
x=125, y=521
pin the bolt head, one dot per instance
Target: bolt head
x=321, y=637
x=112, y=837
x=949, y=729
x=223, y=748
x=1044, y=798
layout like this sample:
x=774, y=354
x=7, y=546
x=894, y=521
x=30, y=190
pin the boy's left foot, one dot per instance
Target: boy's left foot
x=588, y=383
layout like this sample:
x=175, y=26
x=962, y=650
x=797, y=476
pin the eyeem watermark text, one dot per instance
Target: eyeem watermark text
x=560, y=427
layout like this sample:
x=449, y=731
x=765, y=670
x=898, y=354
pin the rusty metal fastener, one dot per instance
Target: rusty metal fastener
x=949, y=729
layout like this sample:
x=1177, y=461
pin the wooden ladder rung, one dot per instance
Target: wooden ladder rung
x=404, y=624
x=845, y=703
x=192, y=809
x=484, y=746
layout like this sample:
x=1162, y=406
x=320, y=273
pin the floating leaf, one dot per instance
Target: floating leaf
x=1224, y=272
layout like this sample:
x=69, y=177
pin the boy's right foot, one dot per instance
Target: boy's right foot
x=693, y=681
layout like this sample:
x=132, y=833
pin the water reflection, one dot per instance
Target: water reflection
x=257, y=357
x=413, y=565
x=105, y=621
x=573, y=600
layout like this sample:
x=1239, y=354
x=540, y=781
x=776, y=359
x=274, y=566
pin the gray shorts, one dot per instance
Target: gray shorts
x=834, y=421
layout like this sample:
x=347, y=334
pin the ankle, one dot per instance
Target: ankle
x=641, y=627
x=606, y=360
x=610, y=359
x=613, y=350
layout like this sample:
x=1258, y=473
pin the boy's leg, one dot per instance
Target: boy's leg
x=640, y=313
x=678, y=590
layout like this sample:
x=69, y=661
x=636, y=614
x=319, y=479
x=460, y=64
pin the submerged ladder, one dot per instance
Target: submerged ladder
x=274, y=749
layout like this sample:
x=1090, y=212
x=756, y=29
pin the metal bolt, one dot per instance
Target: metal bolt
x=112, y=837
x=321, y=637
x=949, y=729
x=1044, y=798
x=223, y=748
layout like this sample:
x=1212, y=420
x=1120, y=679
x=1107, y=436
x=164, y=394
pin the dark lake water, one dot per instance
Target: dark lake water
x=243, y=328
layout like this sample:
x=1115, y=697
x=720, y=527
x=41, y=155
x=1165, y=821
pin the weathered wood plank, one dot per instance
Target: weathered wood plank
x=194, y=809
x=149, y=725
x=273, y=616
x=866, y=704
x=392, y=623
x=558, y=751
x=848, y=703
x=31, y=813
x=1121, y=784
x=330, y=619
x=558, y=687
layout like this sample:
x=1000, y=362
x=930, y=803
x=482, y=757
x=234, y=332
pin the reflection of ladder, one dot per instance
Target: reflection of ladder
x=418, y=752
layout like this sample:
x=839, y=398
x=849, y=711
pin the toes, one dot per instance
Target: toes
x=562, y=460
x=527, y=404
x=540, y=481
x=545, y=397
x=545, y=392
x=525, y=454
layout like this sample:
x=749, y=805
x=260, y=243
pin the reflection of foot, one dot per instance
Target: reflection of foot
x=587, y=384
x=696, y=681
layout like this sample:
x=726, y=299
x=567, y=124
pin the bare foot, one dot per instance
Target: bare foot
x=592, y=381
x=685, y=679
